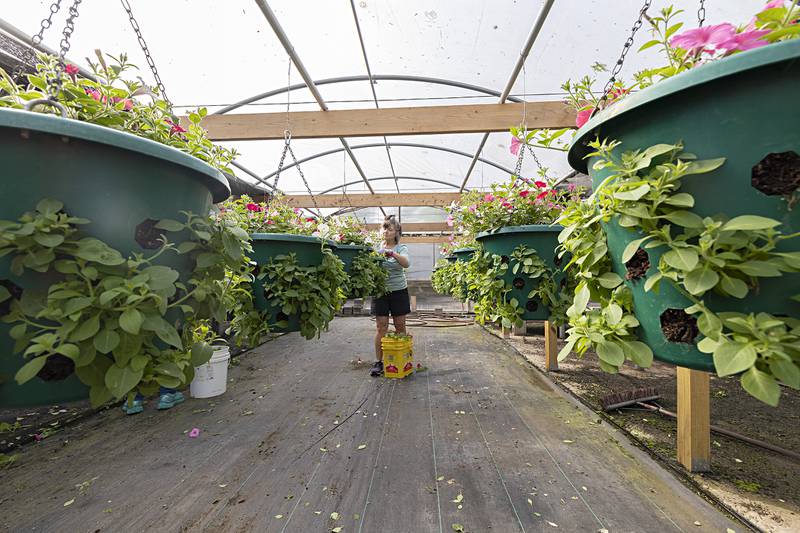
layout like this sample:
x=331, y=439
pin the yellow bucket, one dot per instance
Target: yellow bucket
x=397, y=357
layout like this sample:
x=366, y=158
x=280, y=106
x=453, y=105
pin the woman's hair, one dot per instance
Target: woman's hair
x=391, y=222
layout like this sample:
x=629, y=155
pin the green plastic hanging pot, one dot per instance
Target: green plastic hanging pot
x=347, y=252
x=743, y=108
x=464, y=255
x=269, y=245
x=122, y=183
x=539, y=237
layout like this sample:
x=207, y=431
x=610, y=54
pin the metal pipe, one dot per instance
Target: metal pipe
x=431, y=180
x=27, y=40
x=375, y=77
x=411, y=145
x=523, y=55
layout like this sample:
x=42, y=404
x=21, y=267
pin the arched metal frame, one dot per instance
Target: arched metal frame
x=375, y=145
x=431, y=180
x=375, y=77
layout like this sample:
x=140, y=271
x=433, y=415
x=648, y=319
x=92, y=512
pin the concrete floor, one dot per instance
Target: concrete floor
x=304, y=441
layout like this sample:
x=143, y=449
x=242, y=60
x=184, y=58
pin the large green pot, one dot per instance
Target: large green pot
x=464, y=255
x=742, y=108
x=116, y=180
x=543, y=239
x=268, y=245
x=347, y=252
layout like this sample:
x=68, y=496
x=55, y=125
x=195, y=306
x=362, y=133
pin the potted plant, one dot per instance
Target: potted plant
x=520, y=277
x=299, y=282
x=115, y=161
x=700, y=268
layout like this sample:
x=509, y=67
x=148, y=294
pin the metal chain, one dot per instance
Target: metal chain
x=54, y=80
x=625, y=48
x=135, y=25
x=701, y=13
x=300, y=171
x=46, y=23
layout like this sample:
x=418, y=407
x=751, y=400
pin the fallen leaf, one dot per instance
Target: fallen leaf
x=568, y=441
x=729, y=530
x=70, y=502
x=537, y=514
x=530, y=502
x=552, y=523
x=584, y=488
x=323, y=449
x=440, y=478
x=223, y=486
x=459, y=498
x=336, y=529
x=334, y=516
x=737, y=460
x=697, y=523
x=451, y=481
x=362, y=446
x=460, y=507
x=278, y=516
x=356, y=516
x=602, y=530
x=247, y=413
x=317, y=512
x=458, y=528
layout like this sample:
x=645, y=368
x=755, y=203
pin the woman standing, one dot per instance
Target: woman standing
x=395, y=302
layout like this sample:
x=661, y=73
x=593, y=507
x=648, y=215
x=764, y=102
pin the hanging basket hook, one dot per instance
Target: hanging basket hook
x=287, y=137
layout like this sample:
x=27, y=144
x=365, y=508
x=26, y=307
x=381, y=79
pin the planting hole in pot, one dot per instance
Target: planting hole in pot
x=637, y=265
x=679, y=326
x=532, y=305
x=15, y=291
x=504, y=259
x=57, y=368
x=281, y=316
x=557, y=261
x=777, y=174
x=518, y=283
x=147, y=235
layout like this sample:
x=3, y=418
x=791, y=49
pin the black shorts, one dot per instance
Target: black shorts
x=395, y=303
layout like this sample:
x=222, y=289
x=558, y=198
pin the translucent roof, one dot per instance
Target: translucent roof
x=215, y=53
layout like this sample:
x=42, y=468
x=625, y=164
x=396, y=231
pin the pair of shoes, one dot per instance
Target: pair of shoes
x=135, y=408
x=377, y=369
x=170, y=400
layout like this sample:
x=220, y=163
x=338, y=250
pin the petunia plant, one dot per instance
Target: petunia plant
x=116, y=102
x=273, y=216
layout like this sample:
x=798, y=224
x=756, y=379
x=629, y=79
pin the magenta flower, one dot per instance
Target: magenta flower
x=774, y=4
x=488, y=198
x=270, y=222
x=540, y=184
x=571, y=187
x=746, y=40
x=583, y=117
x=473, y=208
x=524, y=194
x=71, y=70
x=515, y=145
x=94, y=93
x=195, y=432
x=175, y=128
x=542, y=195
x=707, y=37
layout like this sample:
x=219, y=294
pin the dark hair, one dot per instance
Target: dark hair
x=398, y=229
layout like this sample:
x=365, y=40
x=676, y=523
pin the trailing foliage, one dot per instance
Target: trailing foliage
x=274, y=216
x=367, y=276
x=315, y=292
x=118, y=320
x=696, y=255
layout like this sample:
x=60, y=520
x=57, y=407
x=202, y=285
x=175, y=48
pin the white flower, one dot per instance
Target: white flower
x=323, y=228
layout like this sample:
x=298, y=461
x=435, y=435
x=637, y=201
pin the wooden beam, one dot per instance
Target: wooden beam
x=694, y=420
x=426, y=239
x=550, y=346
x=478, y=118
x=411, y=227
x=439, y=199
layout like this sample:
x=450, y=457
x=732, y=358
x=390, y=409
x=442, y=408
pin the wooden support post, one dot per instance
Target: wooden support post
x=694, y=419
x=506, y=332
x=413, y=299
x=550, y=346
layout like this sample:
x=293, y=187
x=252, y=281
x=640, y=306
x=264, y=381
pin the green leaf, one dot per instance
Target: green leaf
x=762, y=386
x=18, y=331
x=609, y=280
x=760, y=269
x=613, y=314
x=682, y=199
x=687, y=219
x=749, y=223
x=649, y=44
x=170, y=225
x=734, y=286
x=30, y=369
x=652, y=282
x=639, y=353
x=131, y=321
x=161, y=277
x=77, y=304
x=99, y=394
x=170, y=369
x=50, y=240
x=634, y=194
x=87, y=329
x=787, y=372
x=106, y=340
x=709, y=325
x=733, y=357
x=94, y=250
x=681, y=258
x=169, y=335
x=122, y=380
x=700, y=280
x=581, y=300
x=611, y=353
x=201, y=353
x=48, y=206
x=208, y=259
x=567, y=349
x=632, y=247
x=706, y=165
x=69, y=350
x=129, y=346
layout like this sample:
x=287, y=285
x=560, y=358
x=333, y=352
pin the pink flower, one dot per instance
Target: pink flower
x=94, y=93
x=707, y=37
x=270, y=222
x=194, y=433
x=450, y=220
x=473, y=208
x=488, y=198
x=524, y=194
x=297, y=210
x=746, y=40
x=774, y=4
x=128, y=103
x=254, y=207
x=310, y=219
x=540, y=184
x=571, y=187
x=175, y=128
x=515, y=145
x=71, y=71
x=583, y=117
x=542, y=195
x=38, y=437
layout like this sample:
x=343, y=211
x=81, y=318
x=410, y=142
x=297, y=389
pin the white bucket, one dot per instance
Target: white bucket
x=211, y=379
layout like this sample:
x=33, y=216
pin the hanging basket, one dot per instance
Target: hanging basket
x=269, y=245
x=347, y=252
x=543, y=239
x=122, y=183
x=464, y=254
x=742, y=108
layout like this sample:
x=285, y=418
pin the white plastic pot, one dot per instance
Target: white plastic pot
x=211, y=379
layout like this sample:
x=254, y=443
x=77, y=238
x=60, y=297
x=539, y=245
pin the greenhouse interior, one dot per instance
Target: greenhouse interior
x=407, y=266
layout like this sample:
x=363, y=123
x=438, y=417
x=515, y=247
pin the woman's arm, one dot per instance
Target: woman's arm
x=402, y=260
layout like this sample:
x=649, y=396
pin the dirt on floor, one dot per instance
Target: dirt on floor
x=761, y=485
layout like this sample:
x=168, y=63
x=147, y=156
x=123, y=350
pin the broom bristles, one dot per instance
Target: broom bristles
x=628, y=397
